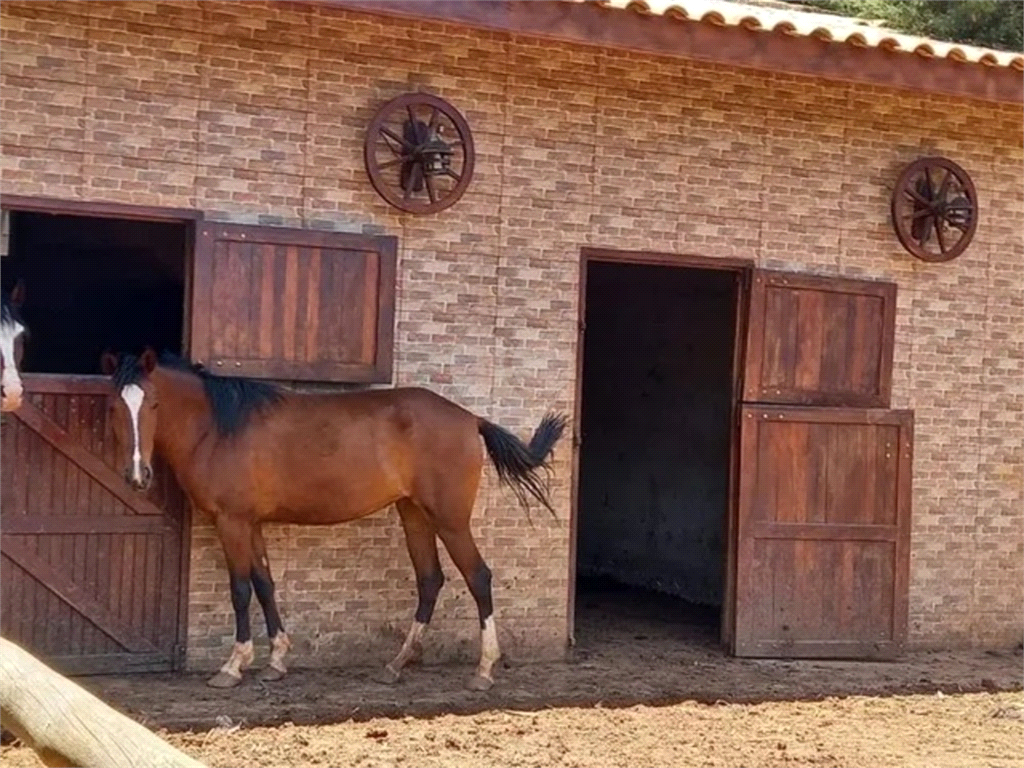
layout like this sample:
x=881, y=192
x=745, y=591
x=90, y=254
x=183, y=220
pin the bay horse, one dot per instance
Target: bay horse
x=247, y=452
x=12, y=347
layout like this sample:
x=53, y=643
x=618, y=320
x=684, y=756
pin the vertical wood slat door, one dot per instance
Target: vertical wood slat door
x=816, y=340
x=278, y=303
x=823, y=527
x=91, y=572
x=824, y=479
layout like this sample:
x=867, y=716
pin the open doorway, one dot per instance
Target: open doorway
x=94, y=284
x=657, y=398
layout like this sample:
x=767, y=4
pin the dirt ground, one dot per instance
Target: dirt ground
x=647, y=685
x=930, y=731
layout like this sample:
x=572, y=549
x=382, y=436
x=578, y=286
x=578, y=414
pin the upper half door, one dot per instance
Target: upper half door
x=815, y=340
x=823, y=532
x=270, y=302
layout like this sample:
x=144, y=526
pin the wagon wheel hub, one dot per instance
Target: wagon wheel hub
x=934, y=209
x=419, y=153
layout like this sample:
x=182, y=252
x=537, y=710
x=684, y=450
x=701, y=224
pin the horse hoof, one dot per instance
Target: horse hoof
x=270, y=674
x=479, y=683
x=223, y=680
x=387, y=676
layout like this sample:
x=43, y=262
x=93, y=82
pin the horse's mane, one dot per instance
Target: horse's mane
x=9, y=314
x=232, y=400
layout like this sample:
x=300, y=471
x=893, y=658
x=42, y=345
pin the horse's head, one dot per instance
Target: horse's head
x=12, y=347
x=132, y=412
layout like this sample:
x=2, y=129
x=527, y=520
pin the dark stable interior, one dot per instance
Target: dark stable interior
x=654, y=457
x=94, y=284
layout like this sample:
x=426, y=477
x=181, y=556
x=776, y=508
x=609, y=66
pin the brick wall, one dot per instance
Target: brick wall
x=255, y=113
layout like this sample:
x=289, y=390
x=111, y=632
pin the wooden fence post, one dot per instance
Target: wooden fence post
x=69, y=727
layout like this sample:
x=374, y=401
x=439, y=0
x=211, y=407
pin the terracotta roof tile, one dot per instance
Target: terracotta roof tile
x=790, y=21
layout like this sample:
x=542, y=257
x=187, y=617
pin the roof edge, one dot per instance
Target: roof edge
x=631, y=25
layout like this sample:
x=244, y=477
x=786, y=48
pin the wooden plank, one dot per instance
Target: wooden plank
x=880, y=650
x=108, y=663
x=23, y=525
x=818, y=532
x=897, y=417
x=616, y=256
x=61, y=384
x=73, y=595
x=94, y=467
x=100, y=209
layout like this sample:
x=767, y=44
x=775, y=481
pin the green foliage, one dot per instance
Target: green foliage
x=989, y=23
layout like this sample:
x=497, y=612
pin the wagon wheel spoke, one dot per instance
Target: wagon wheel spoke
x=391, y=162
x=944, y=188
x=412, y=115
x=913, y=194
x=925, y=231
x=940, y=233
x=397, y=151
x=411, y=182
x=928, y=181
x=430, y=188
x=453, y=174
x=917, y=214
x=434, y=117
x=390, y=133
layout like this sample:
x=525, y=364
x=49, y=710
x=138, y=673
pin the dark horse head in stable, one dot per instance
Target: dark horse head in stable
x=12, y=338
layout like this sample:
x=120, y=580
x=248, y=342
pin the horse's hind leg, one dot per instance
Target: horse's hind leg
x=460, y=545
x=236, y=539
x=263, y=586
x=421, y=540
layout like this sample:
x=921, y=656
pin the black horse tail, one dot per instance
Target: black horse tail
x=518, y=464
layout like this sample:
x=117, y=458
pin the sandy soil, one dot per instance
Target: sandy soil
x=930, y=731
x=631, y=649
x=647, y=684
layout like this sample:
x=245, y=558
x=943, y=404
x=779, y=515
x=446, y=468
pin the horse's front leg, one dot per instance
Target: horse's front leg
x=236, y=538
x=263, y=584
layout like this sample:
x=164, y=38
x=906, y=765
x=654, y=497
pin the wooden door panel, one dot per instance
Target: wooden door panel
x=812, y=472
x=92, y=571
x=816, y=340
x=282, y=303
x=822, y=597
x=823, y=531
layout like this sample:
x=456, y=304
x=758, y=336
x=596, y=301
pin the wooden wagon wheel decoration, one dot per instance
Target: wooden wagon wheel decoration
x=419, y=153
x=934, y=209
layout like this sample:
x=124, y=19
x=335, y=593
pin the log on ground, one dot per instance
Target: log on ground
x=68, y=726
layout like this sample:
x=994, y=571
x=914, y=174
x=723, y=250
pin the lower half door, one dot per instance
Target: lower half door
x=823, y=532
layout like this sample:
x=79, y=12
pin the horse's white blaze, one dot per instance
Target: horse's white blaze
x=133, y=396
x=9, y=333
x=489, y=650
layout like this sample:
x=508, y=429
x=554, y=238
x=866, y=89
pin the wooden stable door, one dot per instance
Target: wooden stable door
x=822, y=527
x=91, y=571
x=276, y=303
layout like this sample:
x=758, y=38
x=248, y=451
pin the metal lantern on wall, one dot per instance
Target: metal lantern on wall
x=934, y=209
x=419, y=153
